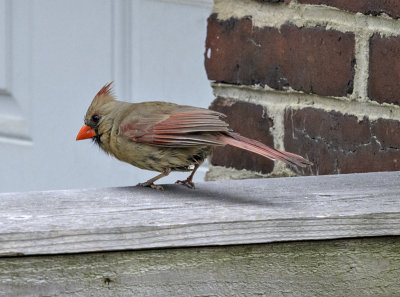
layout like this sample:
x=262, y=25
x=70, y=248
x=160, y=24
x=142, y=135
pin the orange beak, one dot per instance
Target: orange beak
x=85, y=133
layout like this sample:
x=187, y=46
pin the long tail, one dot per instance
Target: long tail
x=257, y=147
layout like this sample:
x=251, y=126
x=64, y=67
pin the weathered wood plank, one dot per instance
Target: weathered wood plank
x=216, y=213
x=351, y=267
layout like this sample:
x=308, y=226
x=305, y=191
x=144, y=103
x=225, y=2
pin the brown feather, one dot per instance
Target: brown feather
x=188, y=126
x=257, y=147
x=185, y=126
x=106, y=90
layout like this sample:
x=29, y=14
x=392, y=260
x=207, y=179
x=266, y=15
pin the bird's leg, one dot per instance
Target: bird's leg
x=188, y=182
x=150, y=182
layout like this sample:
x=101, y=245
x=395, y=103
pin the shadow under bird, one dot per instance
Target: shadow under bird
x=165, y=137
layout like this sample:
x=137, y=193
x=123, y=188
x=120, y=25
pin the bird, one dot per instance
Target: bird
x=165, y=137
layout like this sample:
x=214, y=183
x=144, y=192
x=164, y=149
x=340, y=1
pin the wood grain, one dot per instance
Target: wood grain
x=216, y=213
x=351, y=267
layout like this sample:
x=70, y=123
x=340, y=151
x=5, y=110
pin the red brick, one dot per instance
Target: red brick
x=249, y=120
x=373, y=7
x=387, y=132
x=339, y=143
x=384, y=69
x=312, y=60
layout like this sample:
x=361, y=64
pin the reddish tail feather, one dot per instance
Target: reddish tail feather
x=257, y=147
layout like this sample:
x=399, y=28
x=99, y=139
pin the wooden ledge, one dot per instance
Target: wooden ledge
x=216, y=213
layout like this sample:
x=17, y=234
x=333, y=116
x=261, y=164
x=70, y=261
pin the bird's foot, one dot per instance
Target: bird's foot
x=188, y=183
x=151, y=185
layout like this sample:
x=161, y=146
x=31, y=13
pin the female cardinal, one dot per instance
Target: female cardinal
x=165, y=137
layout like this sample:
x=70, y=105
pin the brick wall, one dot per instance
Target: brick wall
x=320, y=78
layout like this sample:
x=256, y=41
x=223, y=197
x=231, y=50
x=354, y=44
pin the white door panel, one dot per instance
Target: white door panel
x=4, y=44
x=56, y=54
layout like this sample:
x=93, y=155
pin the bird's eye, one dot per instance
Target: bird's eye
x=96, y=118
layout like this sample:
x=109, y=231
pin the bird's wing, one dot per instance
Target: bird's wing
x=174, y=126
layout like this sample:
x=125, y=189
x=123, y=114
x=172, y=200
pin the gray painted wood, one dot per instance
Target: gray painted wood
x=216, y=213
x=351, y=267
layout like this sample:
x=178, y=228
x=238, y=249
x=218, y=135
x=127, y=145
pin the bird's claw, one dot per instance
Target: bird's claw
x=187, y=183
x=151, y=185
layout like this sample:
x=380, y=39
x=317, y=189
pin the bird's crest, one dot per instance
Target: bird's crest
x=107, y=90
x=102, y=97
